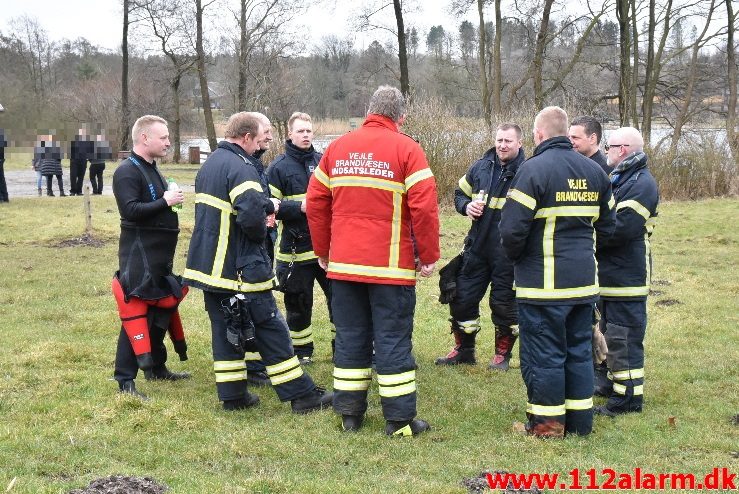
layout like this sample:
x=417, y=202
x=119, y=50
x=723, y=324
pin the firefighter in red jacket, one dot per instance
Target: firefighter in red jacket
x=373, y=217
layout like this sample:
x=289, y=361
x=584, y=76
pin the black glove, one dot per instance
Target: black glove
x=448, y=279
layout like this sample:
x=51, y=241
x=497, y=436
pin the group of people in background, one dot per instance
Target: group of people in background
x=84, y=148
x=552, y=235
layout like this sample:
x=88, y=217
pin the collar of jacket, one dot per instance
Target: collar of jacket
x=141, y=160
x=376, y=120
x=235, y=148
x=561, y=142
x=299, y=155
x=631, y=164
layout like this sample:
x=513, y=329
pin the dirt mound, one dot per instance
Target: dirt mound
x=86, y=240
x=479, y=484
x=120, y=484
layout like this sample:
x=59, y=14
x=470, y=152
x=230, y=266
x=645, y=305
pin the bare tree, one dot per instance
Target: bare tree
x=731, y=134
x=169, y=26
x=402, y=50
x=202, y=76
x=125, y=125
x=625, y=89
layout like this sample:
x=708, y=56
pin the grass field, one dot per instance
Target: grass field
x=63, y=424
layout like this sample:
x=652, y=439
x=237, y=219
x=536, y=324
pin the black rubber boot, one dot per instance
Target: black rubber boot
x=317, y=399
x=241, y=403
x=257, y=378
x=602, y=385
x=164, y=374
x=406, y=428
x=351, y=423
x=463, y=351
x=129, y=388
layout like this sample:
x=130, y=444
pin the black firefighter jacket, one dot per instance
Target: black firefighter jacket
x=288, y=177
x=557, y=202
x=231, y=207
x=489, y=175
x=624, y=258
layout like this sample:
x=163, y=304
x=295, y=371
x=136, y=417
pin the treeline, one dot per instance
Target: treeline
x=628, y=62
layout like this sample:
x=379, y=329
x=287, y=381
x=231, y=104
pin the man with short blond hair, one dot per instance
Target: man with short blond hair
x=624, y=261
x=480, y=196
x=557, y=202
x=228, y=260
x=297, y=264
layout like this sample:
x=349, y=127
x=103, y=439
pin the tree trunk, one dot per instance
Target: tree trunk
x=175, y=84
x=125, y=125
x=634, y=67
x=496, y=62
x=538, y=62
x=646, y=96
x=200, y=53
x=481, y=48
x=241, y=106
x=731, y=134
x=405, y=87
x=624, y=94
x=651, y=79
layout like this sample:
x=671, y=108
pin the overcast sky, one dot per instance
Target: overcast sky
x=100, y=20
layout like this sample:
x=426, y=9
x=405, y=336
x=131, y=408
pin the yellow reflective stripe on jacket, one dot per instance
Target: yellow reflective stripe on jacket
x=374, y=271
x=548, y=252
x=575, y=292
x=210, y=200
x=611, y=202
x=414, y=178
x=303, y=256
x=395, y=231
x=585, y=404
x=497, y=203
x=587, y=211
x=465, y=186
x=522, y=198
x=241, y=188
x=650, y=224
x=227, y=365
x=221, y=250
x=369, y=182
x=546, y=410
x=276, y=193
x=321, y=176
x=636, y=206
x=230, y=285
x=294, y=197
x=624, y=291
x=624, y=375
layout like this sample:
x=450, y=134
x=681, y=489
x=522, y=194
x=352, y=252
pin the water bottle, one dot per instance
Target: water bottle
x=172, y=185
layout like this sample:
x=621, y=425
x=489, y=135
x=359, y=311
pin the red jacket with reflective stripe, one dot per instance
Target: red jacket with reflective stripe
x=370, y=202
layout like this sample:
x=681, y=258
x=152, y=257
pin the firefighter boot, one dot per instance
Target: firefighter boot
x=406, y=428
x=241, y=403
x=503, y=350
x=602, y=386
x=351, y=423
x=161, y=373
x=463, y=351
x=315, y=399
x=129, y=388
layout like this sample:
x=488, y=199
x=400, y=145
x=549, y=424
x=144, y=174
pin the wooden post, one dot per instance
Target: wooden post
x=88, y=211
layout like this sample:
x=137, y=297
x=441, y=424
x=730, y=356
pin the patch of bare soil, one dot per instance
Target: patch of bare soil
x=86, y=240
x=668, y=302
x=479, y=484
x=735, y=419
x=655, y=293
x=120, y=484
x=661, y=282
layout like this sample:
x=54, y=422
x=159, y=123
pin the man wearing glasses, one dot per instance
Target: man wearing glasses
x=624, y=264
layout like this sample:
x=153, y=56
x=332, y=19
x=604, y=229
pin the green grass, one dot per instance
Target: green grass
x=63, y=424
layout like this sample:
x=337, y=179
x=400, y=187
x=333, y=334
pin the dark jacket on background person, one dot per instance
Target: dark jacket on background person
x=288, y=177
x=479, y=178
x=601, y=159
x=556, y=202
x=149, y=230
x=230, y=229
x=102, y=152
x=49, y=156
x=81, y=150
x=624, y=258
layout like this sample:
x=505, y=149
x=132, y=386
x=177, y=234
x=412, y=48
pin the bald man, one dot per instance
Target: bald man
x=557, y=202
x=624, y=261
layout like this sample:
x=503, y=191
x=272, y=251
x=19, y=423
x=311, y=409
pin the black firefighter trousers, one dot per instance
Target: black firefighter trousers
x=367, y=313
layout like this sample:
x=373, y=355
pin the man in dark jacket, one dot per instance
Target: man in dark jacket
x=557, y=202
x=480, y=196
x=585, y=134
x=82, y=149
x=297, y=264
x=228, y=260
x=624, y=262
x=146, y=290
